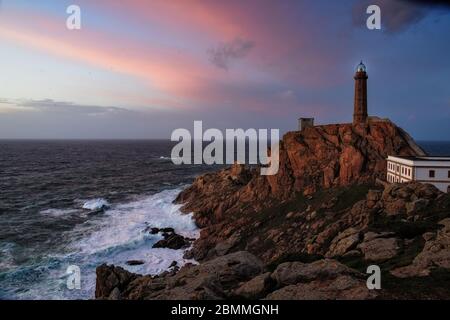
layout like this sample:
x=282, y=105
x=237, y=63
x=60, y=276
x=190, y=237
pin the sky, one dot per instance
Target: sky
x=139, y=69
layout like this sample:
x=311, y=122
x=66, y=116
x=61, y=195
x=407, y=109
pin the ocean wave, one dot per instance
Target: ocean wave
x=59, y=212
x=119, y=235
x=96, y=204
x=168, y=158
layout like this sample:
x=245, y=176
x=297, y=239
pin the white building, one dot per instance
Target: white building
x=433, y=170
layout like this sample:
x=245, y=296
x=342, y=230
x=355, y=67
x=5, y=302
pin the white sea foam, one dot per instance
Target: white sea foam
x=120, y=235
x=96, y=204
x=169, y=158
x=59, y=212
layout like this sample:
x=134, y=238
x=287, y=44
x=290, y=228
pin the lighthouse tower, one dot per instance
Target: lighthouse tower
x=360, y=103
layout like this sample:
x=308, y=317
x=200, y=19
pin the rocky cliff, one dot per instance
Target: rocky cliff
x=310, y=231
x=317, y=158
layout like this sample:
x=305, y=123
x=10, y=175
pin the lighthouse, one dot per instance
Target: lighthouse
x=360, y=99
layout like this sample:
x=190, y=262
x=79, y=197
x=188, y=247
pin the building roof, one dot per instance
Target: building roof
x=423, y=158
x=422, y=161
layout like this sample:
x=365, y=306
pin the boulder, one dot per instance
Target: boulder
x=172, y=241
x=323, y=279
x=256, y=288
x=343, y=242
x=343, y=287
x=376, y=248
x=293, y=272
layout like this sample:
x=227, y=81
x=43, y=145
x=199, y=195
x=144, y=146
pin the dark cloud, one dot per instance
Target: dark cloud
x=430, y=3
x=397, y=15
x=222, y=55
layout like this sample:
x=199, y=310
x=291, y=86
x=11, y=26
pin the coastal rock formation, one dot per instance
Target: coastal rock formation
x=237, y=275
x=214, y=279
x=269, y=256
x=111, y=281
x=310, y=160
x=311, y=231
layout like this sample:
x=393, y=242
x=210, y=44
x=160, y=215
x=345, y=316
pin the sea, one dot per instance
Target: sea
x=85, y=203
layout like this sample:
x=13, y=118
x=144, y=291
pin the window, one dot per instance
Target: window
x=432, y=173
x=449, y=174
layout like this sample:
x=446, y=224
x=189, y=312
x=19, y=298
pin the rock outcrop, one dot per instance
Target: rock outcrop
x=311, y=231
x=214, y=279
x=238, y=275
x=323, y=279
x=313, y=159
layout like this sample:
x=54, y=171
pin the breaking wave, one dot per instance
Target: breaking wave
x=115, y=237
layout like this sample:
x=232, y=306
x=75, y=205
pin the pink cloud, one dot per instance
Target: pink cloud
x=284, y=51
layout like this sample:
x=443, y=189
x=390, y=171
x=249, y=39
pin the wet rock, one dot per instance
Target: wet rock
x=172, y=241
x=154, y=230
x=135, y=262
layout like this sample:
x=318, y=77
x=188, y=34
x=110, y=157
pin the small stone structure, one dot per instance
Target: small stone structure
x=305, y=123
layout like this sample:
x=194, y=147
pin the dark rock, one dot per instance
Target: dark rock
x=135, y=262
x=154, y=230
x=172, y=241
x=110, y=278
x=162, y=230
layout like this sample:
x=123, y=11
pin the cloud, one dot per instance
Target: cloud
x=430, y=3
x=397, y=15
x=49, y=105
x=225, y=53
